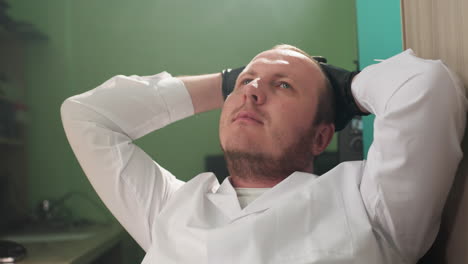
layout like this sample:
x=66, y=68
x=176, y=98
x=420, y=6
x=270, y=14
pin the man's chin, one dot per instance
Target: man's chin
x=248, y=151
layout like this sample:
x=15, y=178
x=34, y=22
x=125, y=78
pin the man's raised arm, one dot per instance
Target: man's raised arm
x=420, y=109
x=102, y=123
x=205, y=91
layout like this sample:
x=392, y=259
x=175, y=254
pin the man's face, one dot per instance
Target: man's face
x=273, y=105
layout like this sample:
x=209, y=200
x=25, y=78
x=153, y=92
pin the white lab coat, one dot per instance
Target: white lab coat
x=384, y=210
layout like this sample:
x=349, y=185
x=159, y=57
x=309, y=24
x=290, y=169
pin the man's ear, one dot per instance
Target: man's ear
x=322, y=137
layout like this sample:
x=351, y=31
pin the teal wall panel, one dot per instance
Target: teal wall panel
x=379, y=37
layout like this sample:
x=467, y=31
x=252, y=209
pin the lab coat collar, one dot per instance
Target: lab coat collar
x=225, y=198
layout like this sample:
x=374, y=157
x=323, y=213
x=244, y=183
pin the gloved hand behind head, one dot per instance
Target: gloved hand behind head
x=229, y=80
x=345, y=106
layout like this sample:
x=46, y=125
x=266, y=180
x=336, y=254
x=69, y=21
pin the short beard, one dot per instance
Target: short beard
x=261, y=167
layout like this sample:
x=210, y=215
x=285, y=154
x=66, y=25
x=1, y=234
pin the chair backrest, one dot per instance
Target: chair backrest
x=456, y=216
x=451, y=245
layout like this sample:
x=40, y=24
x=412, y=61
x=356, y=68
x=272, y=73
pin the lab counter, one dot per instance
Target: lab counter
x=93, y=244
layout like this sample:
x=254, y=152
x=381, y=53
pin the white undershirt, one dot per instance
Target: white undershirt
x=247, y=195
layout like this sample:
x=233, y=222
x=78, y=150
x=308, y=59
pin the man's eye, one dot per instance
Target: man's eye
x=246, y=81
x=285, y=85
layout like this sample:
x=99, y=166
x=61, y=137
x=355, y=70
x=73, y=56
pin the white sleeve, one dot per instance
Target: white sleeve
x=420, y=109
x=100, y=125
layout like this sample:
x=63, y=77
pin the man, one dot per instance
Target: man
x=277, y=118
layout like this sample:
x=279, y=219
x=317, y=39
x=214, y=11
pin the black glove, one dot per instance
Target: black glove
x=229, y=80
x=345, y=105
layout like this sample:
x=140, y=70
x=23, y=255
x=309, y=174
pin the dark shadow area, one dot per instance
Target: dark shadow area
x=437, y=254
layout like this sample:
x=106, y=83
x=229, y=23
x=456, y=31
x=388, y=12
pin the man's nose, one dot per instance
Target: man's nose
x=254, y=91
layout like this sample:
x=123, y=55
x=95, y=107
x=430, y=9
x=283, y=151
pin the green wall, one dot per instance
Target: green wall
x=379, y=37
x=91, y=41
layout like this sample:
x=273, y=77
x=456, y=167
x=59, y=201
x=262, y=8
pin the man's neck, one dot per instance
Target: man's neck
x=249, y=170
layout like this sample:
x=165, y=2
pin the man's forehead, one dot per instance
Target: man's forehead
x=287, y=63
x=286, y=60
x=281, y=55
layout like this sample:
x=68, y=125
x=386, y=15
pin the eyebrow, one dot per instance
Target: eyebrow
x=279, y=75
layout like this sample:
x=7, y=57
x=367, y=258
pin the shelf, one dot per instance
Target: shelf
x=8, y=141
x=90, y=248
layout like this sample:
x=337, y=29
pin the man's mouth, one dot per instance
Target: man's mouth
x=247, y=116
